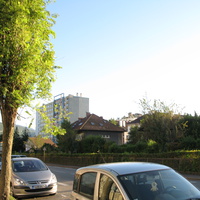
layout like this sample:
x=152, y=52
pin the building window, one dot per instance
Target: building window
x=105, y=136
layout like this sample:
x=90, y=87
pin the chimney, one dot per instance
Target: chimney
x=87, y=114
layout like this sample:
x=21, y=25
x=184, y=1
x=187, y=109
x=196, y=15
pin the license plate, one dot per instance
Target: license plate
x=38, y=186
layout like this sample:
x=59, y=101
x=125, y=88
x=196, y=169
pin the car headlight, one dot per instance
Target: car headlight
x=18, y=181
x=53, y=178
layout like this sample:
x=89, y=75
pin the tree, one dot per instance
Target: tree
x=134, y=135
x=17, y=141
x=93, y=144
x=66, y=142
x=26, y=67
x=25, y=135
x=113, y=121
x=160, y=124
x=191, y=125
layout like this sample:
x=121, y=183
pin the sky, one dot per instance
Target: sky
x=117, y=52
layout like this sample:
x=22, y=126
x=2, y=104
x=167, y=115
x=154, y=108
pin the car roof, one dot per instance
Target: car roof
x=15, y=156
x=122, y=168
x=24, y=158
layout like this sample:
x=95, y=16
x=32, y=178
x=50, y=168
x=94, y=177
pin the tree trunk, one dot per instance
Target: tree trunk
x=8, y=114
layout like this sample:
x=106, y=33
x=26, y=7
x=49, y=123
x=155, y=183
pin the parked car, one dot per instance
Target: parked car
x=18, y=156
x=131, y=181
x=31, y=177
x=12, y=156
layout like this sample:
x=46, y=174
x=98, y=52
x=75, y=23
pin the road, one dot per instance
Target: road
x=65, y=177
x=65, y=180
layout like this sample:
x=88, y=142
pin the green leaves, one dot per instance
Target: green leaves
x=26, y=54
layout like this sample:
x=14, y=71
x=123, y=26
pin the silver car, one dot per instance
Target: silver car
x=31, y=177
x=18, y=156
x=131, y=181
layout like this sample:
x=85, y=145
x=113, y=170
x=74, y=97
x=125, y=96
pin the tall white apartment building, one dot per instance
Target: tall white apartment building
x=70, y=106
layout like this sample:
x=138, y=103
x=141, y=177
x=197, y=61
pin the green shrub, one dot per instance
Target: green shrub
x=152, y=146
x=141, y=146
x=188, y=143
x=114, y=148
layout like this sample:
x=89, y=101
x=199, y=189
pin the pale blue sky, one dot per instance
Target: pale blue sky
x=115, y=52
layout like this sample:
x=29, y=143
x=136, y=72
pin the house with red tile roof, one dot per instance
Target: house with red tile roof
x=95, y=125
x=38, y=142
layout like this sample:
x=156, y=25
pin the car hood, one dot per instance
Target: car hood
x=30, y=176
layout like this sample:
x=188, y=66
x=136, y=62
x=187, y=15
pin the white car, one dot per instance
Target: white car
x=131, y=181
x=31, y=177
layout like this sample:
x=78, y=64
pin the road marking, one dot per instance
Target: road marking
x=63, y=184
x=193, y=181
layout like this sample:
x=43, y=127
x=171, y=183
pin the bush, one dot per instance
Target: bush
x=114, y=148
x=141, y=146
x=93, y=144
x=189, y=143
x=198, y=143
x=152, y=146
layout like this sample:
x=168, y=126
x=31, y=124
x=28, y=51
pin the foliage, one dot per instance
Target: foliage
x=141, y=146
x=182, y=161
x=51, y=125
x=67, y=142
x=188, y=143
x=113, y=121
x=191, y=125
x=107, y=146
x=19, y=140
x=134, y=135
x=49, y=148
x=152, y=146
x=93, y=144
x=160, y=124
x=114, y=148
x=38, y=142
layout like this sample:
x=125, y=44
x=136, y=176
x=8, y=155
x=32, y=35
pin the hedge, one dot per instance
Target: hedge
x=184, y=162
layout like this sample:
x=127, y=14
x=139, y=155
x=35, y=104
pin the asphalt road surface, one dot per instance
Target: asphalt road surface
x=65, y=177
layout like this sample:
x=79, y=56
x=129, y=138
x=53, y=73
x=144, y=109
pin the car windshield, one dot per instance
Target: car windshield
x=28, y=166
x=158, y=185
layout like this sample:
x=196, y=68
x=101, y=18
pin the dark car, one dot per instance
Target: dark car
x=131, y=181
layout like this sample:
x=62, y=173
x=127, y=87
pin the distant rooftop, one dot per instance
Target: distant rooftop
x=94, y=122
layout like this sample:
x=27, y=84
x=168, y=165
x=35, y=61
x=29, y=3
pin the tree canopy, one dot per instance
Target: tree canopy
x=160, y=123
x=26, y=66
x=67, y=141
